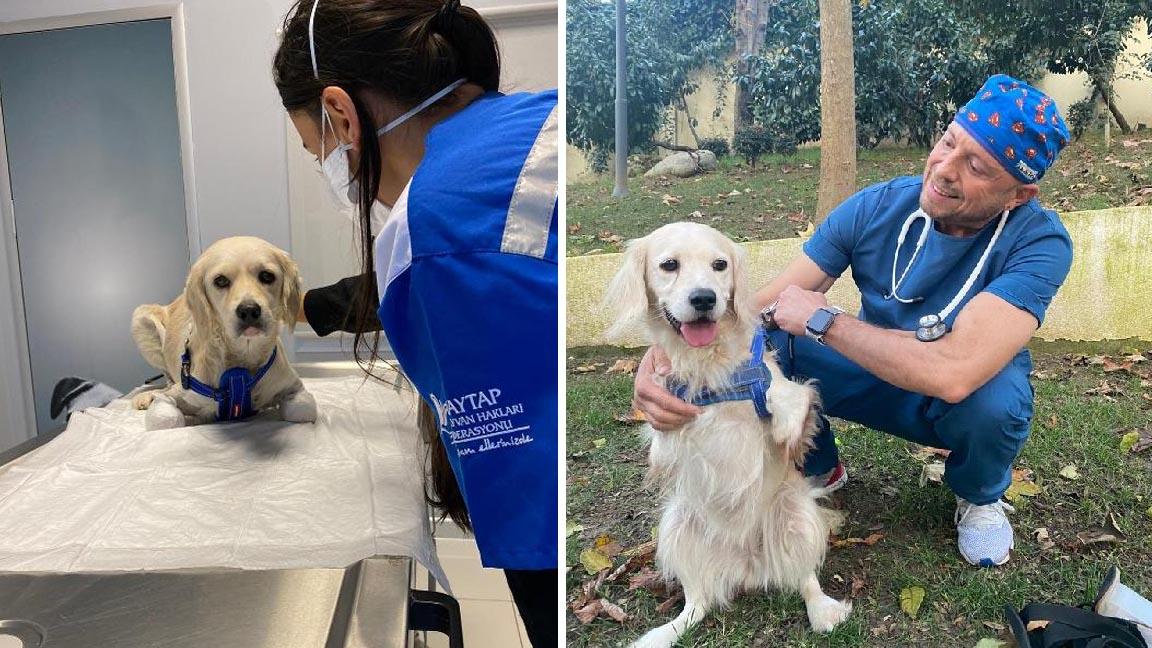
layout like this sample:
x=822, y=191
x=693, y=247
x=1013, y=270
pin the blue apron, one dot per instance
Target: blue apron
x=467, y=270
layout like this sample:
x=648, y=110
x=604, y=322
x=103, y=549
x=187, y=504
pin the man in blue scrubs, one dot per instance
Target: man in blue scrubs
x=956, y=269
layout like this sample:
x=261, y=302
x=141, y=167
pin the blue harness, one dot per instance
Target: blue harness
x=750, y=382
x=234, y=396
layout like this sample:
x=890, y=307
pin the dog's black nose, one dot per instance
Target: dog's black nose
x=703, y=299
x=249, y=313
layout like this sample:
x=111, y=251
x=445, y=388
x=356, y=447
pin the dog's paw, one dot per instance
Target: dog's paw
x=662, y=637
x=825, y=613
x=143, y=401
x=163, y=414
x=299, y=407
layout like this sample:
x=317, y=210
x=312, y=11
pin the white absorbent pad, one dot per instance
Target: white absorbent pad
x=259, y=494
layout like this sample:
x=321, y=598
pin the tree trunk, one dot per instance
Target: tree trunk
x=1112, y=107
x=751, y=20
x=688, y=119
x=837, y=107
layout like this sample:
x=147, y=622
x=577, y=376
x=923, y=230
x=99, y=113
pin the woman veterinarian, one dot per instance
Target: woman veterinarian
x=399, y=101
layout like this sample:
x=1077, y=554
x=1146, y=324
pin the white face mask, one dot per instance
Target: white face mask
x=345, y=191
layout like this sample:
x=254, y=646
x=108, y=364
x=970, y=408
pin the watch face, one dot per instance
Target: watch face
x=820, y=321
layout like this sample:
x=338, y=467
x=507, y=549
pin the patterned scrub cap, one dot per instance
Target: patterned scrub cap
x=1018, y=124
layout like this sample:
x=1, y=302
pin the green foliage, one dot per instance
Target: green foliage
x=1076, y=36
x=916, y=63
x=667, y=43
x=1080, y=116
x=718, y=145
x=752, y=142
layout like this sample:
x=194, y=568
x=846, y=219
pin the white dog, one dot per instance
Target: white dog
x=238, y=294
x=737, y=514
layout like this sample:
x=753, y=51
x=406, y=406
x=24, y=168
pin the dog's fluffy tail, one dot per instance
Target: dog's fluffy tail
x=148, y=331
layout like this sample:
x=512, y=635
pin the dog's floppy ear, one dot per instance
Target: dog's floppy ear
x=742, y=293
x=628, y=292
x=291, y=290
x=197, y=298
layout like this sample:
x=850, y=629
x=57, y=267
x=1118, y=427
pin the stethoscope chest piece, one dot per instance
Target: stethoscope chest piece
x=932, y=328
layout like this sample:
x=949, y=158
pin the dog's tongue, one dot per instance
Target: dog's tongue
x=252, y=331
x=699, y=333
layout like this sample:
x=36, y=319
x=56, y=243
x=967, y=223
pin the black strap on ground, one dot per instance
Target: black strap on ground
x=1071, y=627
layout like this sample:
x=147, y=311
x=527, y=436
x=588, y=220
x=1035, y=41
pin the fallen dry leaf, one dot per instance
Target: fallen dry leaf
x=646, y=549
x=858, y=586
x=614, y=611
x=1043, y=539
x=992, y=625
x=599, y=443
x=1104, y=389
x=589, y=611
x=581, y=369
x=848, y=542
x=635, y=416
x=1037, y=624
x=1021, y=486
x=669, y=199
x=988, y=642
x=1096, y=536
x=600, y=607
x=932, y=472
x=626, y=366
x=928, y=453
x=667, y=606
x=574, y=228
x=594, y=560
x=1070, y=472
x=1136, y=441
x=1110, y=366
x=910, y=600
x=646, y=578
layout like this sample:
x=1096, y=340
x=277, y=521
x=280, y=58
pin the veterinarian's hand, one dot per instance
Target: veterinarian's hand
x=794, y=306
x=664, y=411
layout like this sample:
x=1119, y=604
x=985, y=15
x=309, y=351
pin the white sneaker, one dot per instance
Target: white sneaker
x=984, y=533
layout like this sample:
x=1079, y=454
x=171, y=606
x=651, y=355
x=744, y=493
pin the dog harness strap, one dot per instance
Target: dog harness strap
x=234, y=396
x=749, y=382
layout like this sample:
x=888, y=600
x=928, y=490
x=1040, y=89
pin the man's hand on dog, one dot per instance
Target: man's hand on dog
x=664, y=411
x=795, y=306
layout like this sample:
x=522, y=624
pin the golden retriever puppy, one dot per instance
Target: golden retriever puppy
x=219, y=342
x=736, y=512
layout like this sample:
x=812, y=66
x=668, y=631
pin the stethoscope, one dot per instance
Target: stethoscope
x=932, y=326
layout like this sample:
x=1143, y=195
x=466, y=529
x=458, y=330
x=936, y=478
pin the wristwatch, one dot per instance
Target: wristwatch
x=820, y=322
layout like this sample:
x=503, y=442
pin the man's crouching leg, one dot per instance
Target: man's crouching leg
x=985, y=433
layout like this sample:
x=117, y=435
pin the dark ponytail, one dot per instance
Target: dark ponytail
x=405, y=51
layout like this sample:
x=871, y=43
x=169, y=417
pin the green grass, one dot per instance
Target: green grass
x=606, y=497
x=781, y=192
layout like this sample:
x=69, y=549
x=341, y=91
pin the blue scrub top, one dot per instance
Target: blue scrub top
x=1025, y=268
x=468, y=278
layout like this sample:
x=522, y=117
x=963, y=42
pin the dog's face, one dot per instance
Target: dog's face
x=245, y=287
x=685, y=276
